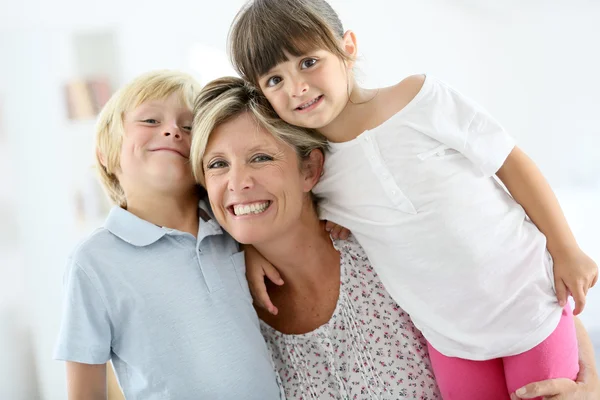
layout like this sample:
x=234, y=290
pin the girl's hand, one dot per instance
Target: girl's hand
x=586, y=387
x=337, y=231
x=574, y=273
x=257, y=268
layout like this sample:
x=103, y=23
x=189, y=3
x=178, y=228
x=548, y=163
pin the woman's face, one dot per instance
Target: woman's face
x=256, y=187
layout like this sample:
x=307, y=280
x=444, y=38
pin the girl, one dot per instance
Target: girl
x=411, y=172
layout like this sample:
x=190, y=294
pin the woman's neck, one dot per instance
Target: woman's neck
x=303, y=255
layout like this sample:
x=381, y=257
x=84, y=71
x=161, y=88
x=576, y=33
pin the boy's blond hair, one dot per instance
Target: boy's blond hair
x=153, y=85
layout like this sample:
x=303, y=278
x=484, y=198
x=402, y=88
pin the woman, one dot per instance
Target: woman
x=338, y=333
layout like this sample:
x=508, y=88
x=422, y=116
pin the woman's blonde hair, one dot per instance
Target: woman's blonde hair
x=226, y=98
x=264, y=30
x=153, y=85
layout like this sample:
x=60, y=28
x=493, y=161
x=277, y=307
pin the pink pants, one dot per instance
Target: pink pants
x=555, y=357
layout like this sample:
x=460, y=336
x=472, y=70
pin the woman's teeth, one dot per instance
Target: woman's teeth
x=254, y=208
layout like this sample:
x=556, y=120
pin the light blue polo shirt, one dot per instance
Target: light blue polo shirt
x=172, y=312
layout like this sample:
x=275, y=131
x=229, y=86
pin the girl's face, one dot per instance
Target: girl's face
x=310, y=90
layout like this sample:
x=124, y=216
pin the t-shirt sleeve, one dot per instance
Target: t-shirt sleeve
x=85, y=331
x=465, y=126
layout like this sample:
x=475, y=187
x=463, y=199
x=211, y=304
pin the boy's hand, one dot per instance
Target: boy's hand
x=574, y=274
x=257, y=268
x=337, y=231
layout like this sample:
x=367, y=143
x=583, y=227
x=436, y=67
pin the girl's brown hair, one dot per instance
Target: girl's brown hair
x=264, y=30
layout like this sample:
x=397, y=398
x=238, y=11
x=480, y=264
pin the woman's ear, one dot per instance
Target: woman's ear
x=312, y=168
x=350, y=46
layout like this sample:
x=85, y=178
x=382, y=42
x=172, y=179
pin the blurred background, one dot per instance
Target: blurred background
x=531, y=63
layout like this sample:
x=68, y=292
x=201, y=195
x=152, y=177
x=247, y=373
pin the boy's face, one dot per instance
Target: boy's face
x=156, y=147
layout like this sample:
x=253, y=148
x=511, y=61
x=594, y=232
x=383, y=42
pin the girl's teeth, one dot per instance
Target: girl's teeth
x=309, y=104
x=255, y=208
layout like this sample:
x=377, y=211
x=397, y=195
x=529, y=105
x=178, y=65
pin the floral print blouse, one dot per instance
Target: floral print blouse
x=369, y=349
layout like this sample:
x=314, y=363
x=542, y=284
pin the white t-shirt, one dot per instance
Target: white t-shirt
x=451, y=246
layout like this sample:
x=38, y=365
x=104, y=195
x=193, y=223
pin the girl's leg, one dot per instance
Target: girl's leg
x=460, y=379
x=555, y=357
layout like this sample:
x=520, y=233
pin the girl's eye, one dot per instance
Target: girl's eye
x=309, y=62
x=217, y=164
x=150, y=121
x=187, y=128
x=273, y=81
x=262, y=158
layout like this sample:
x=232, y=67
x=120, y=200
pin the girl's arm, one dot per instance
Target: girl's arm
x=86, y=381
x=587, y=385
x=574, y=271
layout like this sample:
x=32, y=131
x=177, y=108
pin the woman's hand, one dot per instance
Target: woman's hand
x=586, y=387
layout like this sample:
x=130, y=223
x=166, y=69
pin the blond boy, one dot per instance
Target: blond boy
x=159, y=289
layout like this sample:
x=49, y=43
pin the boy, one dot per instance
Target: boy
x=159, y=289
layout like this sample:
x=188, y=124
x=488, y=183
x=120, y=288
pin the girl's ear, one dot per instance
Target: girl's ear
x=312, y=169
x=350, y=46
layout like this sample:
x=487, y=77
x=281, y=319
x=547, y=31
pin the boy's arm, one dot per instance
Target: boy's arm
x=86, y=381
x=258, y=268
x=574, y=271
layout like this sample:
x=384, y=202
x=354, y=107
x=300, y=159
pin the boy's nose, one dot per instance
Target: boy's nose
x=176, y=134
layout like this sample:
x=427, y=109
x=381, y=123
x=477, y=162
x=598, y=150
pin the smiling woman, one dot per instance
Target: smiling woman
x=259, y=173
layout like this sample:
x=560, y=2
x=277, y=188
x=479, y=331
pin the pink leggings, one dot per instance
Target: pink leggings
x=555, y=357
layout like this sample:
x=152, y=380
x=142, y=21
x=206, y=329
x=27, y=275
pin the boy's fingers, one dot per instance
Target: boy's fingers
x=266, y=303
x=562, y=293
x=329, y=226
x=344, y=233
x=273, y=275
x=335, y=232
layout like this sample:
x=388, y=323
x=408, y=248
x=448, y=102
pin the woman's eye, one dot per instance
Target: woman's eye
x=262, y=158
x=275, y=80
x=309, y=62
x=217, y=164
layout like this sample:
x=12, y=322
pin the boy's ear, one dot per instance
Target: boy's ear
x=350, y=46
x=313, y=169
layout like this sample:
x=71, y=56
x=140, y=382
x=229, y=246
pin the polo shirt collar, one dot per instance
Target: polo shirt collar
x=139, y=232
x=131, y=228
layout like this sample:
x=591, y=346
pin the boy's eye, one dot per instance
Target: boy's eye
x=273, y=81
x=309, y=62
x=216, y=164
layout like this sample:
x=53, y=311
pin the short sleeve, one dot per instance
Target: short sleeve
x=85, y=331
x=465, y=126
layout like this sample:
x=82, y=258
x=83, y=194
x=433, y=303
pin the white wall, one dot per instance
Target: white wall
x=533, y=64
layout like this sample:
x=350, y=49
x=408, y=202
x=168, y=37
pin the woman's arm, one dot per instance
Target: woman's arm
x=86, y=381
x=574, y=271
x=587, y=385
